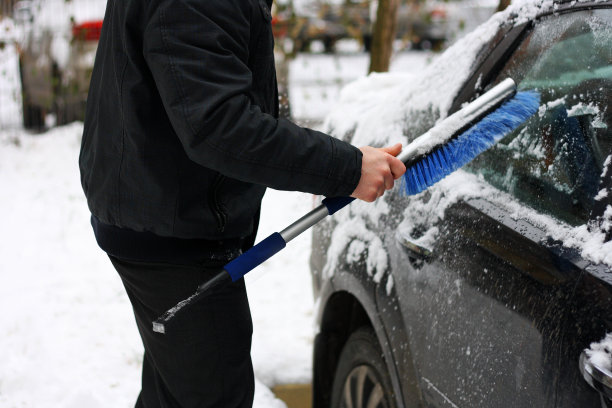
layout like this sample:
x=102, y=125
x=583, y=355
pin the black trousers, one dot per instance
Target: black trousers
x=204, y=358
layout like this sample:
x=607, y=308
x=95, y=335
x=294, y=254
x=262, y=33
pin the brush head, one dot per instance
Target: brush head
x=441, y=161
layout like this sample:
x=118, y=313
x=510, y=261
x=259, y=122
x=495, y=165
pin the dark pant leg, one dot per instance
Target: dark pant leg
x=204, y=359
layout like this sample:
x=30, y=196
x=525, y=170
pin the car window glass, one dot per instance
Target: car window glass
x=553, y=162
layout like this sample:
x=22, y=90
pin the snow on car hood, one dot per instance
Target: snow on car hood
x=374, y=111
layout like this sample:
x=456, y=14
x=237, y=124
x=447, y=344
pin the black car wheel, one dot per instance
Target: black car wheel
x=361, y=379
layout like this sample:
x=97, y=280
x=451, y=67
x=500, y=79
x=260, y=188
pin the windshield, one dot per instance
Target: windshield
x=554, y=162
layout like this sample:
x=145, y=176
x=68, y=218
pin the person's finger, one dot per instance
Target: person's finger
x=393, y=150
x=398, y=168
x=388, y=179
x=379, y=170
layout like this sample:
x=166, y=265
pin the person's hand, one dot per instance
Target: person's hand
x=379, y=169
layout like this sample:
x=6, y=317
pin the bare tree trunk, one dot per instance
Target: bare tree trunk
x=503, y=4
x=383, y=35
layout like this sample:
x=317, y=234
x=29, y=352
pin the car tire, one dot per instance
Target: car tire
x=362, y=379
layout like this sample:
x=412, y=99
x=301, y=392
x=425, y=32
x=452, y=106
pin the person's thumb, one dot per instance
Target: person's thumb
x=393, y=150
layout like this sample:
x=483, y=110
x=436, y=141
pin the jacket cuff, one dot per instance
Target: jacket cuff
x=345, y=169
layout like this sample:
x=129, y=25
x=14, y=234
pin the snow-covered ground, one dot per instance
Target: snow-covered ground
x=69, y=339
x=69, y=336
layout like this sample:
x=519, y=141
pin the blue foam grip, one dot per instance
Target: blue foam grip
x=334, y=204
x=255, y=256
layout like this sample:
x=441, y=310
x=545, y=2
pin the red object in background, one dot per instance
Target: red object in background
x=87, y=31
x=438, y=12
x=280, y=26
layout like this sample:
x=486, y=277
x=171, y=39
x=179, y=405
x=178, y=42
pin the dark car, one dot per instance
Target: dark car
x=490, y=288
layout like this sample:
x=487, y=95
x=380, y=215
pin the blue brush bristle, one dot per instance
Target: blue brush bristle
x=462, y=149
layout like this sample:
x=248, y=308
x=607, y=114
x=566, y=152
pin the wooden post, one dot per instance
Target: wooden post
x=503, y=4
x=383, y=35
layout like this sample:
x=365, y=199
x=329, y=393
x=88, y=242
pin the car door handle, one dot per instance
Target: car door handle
x=597, y=377
x=416, y=251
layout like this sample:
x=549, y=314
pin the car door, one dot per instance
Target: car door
x=487, y=264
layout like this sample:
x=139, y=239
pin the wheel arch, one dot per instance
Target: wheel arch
x=334, y=330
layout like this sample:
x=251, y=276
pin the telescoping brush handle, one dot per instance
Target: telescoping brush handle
x=255, y=256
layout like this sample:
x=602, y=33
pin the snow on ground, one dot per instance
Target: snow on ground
x=68, y=330
x=69, y=333
x=280, y=293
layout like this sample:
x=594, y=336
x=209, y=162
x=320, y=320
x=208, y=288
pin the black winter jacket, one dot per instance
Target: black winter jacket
x=181, y=133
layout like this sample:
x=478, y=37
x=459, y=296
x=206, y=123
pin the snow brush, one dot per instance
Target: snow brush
x=443, y=149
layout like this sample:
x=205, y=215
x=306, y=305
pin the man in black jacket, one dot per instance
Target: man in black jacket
x=181, y=138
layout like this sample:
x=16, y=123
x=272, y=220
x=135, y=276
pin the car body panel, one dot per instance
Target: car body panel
x=492, y=307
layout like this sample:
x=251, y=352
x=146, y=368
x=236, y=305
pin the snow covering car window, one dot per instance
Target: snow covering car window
x=555, y=160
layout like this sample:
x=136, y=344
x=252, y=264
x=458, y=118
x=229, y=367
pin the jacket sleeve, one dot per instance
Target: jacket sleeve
x=198, y=51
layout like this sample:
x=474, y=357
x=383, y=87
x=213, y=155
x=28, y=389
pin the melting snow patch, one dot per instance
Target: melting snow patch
x=359, y=242
x=603, y=193
x=389, y=286
x=600, y=354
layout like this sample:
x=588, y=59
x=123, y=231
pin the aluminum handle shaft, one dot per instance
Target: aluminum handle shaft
x=304, y=223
